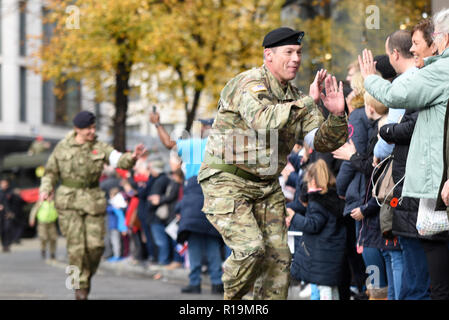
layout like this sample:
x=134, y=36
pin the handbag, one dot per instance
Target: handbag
x=384, y=185
x=386, y=220
x=162, y=212
x=429, y=221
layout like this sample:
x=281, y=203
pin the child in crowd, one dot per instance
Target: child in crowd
x=46, y=215
x=116, y=222
x=320, y=257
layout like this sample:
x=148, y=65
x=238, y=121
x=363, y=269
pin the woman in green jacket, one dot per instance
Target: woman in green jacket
x=426, y=89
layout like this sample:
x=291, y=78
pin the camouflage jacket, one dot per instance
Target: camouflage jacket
x=259, y=121
x=73, y=163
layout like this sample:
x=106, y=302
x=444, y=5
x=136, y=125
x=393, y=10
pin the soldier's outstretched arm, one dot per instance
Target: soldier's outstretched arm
x=123, y=160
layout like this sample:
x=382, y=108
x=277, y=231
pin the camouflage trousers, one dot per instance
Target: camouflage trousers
x=47, y=233
x=250, y=216
x=85, y=241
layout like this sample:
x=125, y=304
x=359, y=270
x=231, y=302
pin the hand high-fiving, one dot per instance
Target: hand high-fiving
x=317, y=85
x=333, y=100
x=139, y=151
x=367, y=63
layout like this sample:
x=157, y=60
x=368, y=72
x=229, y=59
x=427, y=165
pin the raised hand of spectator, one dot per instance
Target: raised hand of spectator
x=367, y=63
x=154, y=117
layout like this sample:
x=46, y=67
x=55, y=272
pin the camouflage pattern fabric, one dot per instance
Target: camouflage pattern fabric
x=250, y=216
x=81, y=210
x=85, y=241
x=259, y=121
x=256, y=127
x=47, y=233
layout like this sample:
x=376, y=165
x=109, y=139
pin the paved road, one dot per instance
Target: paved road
x=24, y=275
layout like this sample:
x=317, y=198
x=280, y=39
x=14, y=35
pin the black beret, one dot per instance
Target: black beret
x=84, y=119
x=384, y=67
x=281, y=37
x=207, y=122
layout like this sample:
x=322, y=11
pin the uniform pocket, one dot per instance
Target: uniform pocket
x=64, y=198
x=65, y=163
x=218, y=205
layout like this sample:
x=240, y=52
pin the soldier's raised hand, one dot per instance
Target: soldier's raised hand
x=317, y=85
x=333, y=100
x=139, y=150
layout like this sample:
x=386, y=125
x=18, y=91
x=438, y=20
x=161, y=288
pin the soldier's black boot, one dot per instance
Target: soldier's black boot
x=81, y=294
x=217, y=289
x=191, y=289
x=43, y=254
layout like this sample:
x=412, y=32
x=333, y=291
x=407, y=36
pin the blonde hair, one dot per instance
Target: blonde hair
x=354, y=64
x=359, y=90
x=375, y=104
x=319, y=171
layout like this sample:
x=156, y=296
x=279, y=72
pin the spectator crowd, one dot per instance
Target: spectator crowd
x=365, y=211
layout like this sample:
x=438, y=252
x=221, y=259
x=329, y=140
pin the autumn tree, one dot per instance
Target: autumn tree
x=98, y=42
x=337, y=31
x=204, y=43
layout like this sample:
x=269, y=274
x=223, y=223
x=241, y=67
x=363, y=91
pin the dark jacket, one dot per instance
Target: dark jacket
x=406, y=212
x=192, y=218
x=370, y=235
x=440, y=204
x=170, y=198
x=320, y=256
x=351, y=183
x=155, y=185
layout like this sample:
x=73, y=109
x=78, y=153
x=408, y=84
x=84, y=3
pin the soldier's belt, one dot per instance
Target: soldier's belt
x=71, y=183
x=217, y=163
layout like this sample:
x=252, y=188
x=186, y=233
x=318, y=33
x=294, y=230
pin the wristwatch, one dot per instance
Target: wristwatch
x=157, y=125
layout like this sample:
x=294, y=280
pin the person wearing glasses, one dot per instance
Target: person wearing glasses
x=261, y=115
x=426, y=175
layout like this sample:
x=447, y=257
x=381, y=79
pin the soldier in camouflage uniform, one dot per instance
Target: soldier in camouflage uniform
x=260, y=116
x=77, y=161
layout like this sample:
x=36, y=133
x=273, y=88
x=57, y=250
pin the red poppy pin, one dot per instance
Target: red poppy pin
x=394, y=202
x=94, y=151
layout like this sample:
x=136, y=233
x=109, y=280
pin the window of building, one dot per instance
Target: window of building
x=23, y=94
x=22, y=27
x=59, y=109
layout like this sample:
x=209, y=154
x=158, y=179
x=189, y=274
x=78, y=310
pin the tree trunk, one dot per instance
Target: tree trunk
x=190, y=114
x=121, y=104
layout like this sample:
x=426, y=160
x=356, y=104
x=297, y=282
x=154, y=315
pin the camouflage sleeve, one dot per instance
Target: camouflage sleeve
x=51, y=174
x=260, y=112
x=332, y=134
x=126, y=161
x=310, y=118
x=117, y=159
